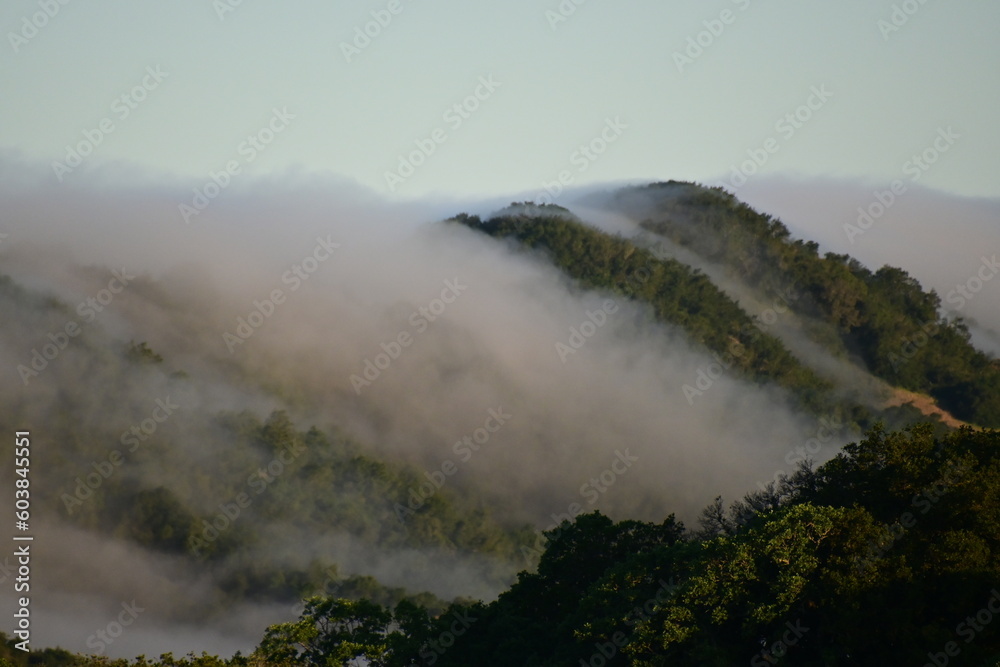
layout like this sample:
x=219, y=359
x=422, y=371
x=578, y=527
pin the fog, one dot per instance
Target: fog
x=483, y=321
x=938, y=238
x=770, y=308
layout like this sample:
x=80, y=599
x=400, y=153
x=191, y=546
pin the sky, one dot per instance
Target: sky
x=657, y=91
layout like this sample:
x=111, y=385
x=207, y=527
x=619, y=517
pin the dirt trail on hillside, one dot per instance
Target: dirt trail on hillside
x=923, y=403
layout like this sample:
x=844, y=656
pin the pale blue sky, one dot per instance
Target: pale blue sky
x=558, y=87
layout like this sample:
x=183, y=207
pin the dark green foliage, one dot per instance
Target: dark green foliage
x=882, y=556
x=231, y=481
x=276, y=477
x=812, y=566
x=331, y=631
x=142, y=354
x=885, y=318
x=297, y=494
x=10, y=656
x=157, y=520
x=676, y=293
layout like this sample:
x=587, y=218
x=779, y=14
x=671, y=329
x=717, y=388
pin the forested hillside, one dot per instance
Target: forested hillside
x=218, y=488
x=678, y=295
x=889, y=554
x=884, y=317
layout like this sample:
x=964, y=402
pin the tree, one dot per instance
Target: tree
x=330, y=631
